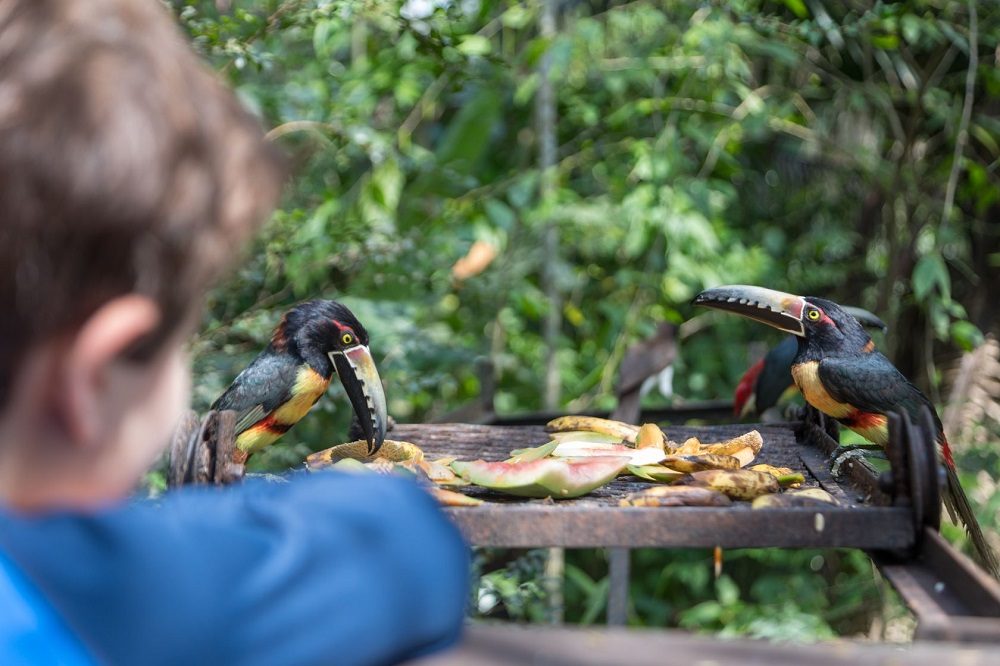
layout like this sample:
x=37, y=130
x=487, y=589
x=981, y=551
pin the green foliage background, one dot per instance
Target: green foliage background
x=806, y=145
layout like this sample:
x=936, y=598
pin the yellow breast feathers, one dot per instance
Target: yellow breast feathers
x=309, y=387
x=806, y=376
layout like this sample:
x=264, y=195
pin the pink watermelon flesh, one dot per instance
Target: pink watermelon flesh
x=548, y=477
x=647, y=456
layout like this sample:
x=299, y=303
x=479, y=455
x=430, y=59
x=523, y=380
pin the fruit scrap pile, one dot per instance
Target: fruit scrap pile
x=585, y=453
x=396, y=458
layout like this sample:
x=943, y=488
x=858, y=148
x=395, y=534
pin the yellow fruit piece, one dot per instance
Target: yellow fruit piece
x=729, y=447
x=801, y=498
x=739, y=484
x=786, y=476
x=594, y=424
x=657, y=473
x=697, y=463
x=440, y=473
x=814, y=493
x=650, y=436
x=451, y=498
x=585, y=436
x=392, y=451
x=691, y=446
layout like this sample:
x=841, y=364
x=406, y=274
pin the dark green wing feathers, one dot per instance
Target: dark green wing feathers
x=261, y=388
x=872, y=384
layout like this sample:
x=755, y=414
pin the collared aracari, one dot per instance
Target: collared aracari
x=841, y=374
x=769, y=380
x=313, y=341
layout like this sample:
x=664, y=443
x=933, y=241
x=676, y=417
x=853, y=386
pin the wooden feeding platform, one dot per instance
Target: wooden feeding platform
x=863, y=518
x=893, y=515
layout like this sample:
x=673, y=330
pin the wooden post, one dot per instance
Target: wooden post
x=545, y=115
x=619, y=566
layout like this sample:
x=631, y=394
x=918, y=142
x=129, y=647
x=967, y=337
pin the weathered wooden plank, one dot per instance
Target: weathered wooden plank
x=953, y=599
x=520, y=525
x=515, y=645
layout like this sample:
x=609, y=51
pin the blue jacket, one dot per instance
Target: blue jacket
x=329, y=568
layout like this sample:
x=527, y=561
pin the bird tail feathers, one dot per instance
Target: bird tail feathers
x=960, y=511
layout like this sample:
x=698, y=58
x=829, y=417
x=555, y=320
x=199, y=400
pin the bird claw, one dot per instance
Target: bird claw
x=849, y=453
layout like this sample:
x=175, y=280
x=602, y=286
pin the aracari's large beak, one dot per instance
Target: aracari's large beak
x=774, y=308
x=866, y=318
x=357, y=373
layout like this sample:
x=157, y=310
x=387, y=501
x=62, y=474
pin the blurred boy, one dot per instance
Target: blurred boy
x=128, y=176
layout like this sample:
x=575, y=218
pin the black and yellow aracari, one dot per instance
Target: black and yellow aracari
x=313, y=341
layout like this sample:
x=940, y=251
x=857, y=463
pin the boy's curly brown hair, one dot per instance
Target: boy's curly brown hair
x=125, y=167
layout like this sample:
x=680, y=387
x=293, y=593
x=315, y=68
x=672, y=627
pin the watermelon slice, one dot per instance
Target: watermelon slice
x=548, y=477
x=533, y=453
x=647, y=456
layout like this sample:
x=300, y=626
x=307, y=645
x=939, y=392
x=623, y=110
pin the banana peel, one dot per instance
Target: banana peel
x=700, y=462
x=738, y=484
x=676, y=496
x=548, y=477
x=744, y=448
x=618, y=429
x=651, y=437
x=392, y=451
x=585, y=436
x=690, y=447
x=786, y=476
x=751, y=439
x=810, y=497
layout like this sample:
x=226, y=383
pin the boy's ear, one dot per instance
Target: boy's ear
x=109, y=332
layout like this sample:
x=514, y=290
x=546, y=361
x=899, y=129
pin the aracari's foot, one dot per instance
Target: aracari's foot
x=857, y=452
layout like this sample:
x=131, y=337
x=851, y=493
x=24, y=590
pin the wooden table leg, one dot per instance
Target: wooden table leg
x=619, y=560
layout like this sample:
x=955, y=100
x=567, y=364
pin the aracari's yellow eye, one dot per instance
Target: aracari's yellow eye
x=347, y=338
x=813, y=314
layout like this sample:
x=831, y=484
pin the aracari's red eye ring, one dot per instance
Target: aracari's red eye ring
x=347, y=338
x=814, y=314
